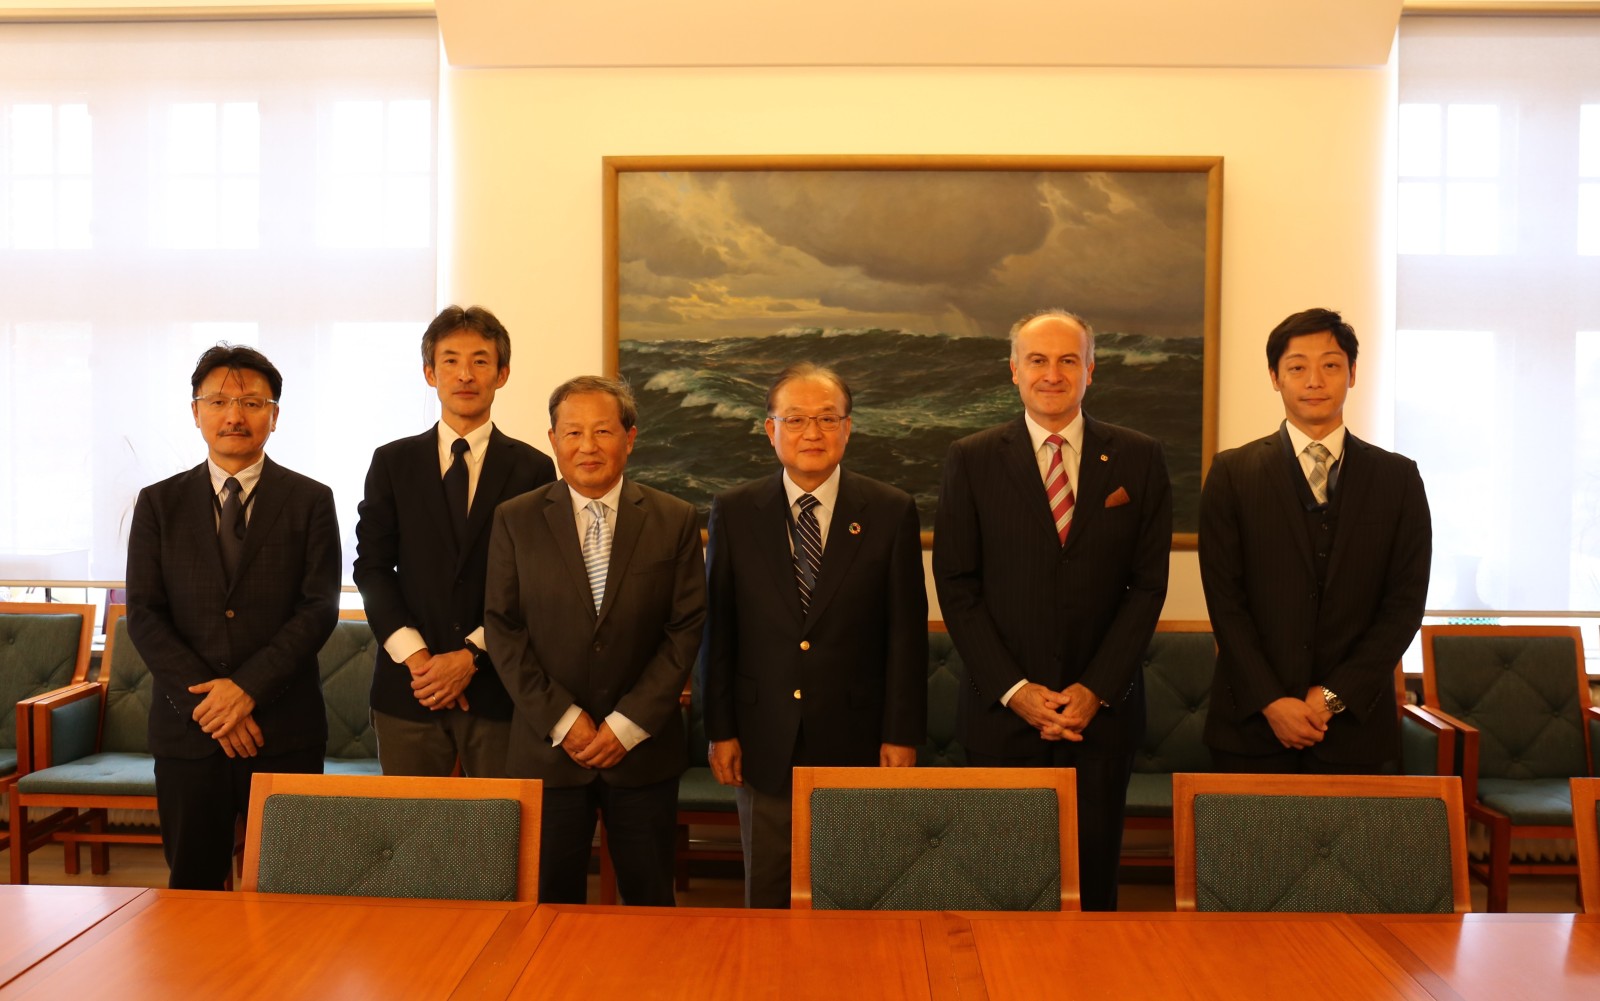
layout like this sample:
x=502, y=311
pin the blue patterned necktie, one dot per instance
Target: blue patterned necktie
x=807, y=549
x=597, y=551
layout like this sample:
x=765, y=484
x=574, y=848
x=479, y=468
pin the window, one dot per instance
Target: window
x=164, y=186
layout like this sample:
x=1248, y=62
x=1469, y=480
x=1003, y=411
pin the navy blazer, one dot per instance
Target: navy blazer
x=264, y=631
x=413, y=572
x=1019, y=604
x=852, y=673
x=1277, y=633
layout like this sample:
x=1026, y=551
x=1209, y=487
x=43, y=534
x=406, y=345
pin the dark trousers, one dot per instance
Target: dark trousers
x=1102, y=781
x=433, y=746
x=1291, y=762
x=641, y=831
x=766, y=825
x=199, y=800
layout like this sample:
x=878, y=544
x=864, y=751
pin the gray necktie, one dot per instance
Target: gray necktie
x=807, y=549
x=1319, y=470
x=230, y=528
x=597, y=551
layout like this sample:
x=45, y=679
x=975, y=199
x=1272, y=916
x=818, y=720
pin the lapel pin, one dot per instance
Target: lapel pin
x=855, y=528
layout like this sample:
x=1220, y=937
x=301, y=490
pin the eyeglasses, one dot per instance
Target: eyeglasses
x=826, y=423
x=218, y=403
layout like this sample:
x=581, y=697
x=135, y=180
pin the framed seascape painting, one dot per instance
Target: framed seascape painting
x=905, y=274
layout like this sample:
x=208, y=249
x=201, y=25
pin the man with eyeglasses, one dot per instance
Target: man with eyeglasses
x=816, y=640
x=233, y=587
x=422, y=551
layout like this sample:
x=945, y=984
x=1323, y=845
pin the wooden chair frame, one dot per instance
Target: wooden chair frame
x=527, y=792
x=1063, y=781
x=1585, y=791
x=1186, y=787
x=1496, y=873
x=80, y=671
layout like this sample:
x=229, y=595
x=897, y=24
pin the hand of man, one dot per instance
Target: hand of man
x=896, y=756
x=243, y=740
x=224, y=705
x=1037, y=706
x=1318, y=705
x=578, y=736
x=727, y=761
x=438, y=684
x=604, y=751
x=1075, y=707
x=1296, y=725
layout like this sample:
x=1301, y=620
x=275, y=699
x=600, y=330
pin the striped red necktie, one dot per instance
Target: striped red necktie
x=1057, y=489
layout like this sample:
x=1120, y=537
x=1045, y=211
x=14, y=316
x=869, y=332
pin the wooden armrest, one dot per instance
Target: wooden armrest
x=1592, y=718
x=1466, y=754
x=1443, y=730
x=33, y=718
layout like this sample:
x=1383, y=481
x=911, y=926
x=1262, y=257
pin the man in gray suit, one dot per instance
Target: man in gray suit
x=593, y=606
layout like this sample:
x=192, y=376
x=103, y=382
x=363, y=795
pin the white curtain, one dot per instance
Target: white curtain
x=164, y=186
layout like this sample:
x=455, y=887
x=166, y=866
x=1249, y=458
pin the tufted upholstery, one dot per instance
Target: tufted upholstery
x=346, y=663
x=350, y=846
x=946, y=676
x=128, y=695
x=1178, y=668
x=38, y=653
x=934, y=849
x=1306, y=853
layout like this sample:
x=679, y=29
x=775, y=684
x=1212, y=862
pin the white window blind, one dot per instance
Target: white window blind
x=1498, y=296
x=164, y=186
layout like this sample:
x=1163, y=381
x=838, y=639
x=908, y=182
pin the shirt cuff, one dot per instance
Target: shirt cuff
x=558, y=733
x=627, y=731
x=478, y=638
x=1005, y=699
x=402, y=643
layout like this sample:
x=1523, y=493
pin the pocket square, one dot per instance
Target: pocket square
x=1119, y=498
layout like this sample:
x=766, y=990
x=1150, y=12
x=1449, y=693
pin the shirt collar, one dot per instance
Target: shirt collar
x=610, y=498
x=248, y=477
x=1073, y=433
x=477, y=440
x=827, y=492
x=1333, y=441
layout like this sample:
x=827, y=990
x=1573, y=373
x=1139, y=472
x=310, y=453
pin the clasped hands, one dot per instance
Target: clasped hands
x=1299, y=723
x=439, y=681
x=1056, y=715
x=226, y=715
x=592, y=746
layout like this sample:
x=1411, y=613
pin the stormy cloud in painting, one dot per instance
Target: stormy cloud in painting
x=906, y=282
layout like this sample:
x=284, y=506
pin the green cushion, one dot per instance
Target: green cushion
x=935, y=849
x=1521, y=692
x=442, y=849
x=8, y=761
x=74, y=729
x=947, y=675
x=1350, y=854
x=110, y=774
x=1537, y=802
x=127, y=725
x=697, y=790
x=37, y=654
x=346, y=662
x=1419, y=747
x=351, y=766
x=1149, y=795
x=1178, y=669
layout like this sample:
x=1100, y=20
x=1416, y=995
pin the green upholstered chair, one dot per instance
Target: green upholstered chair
x=346, y=661
x=946, y=676
x=935, y=839
x=43, y=646
x=446, y=838
x=1519, y=698
x=1586, y=824
x=1384, y=844
x=1178, y=668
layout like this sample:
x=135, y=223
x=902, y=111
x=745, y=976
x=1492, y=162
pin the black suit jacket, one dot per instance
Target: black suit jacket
x=263, y=632
x=862, y=672
x=634, y=656
x=1276, y=635
x=1020, y=605
x=412, y=572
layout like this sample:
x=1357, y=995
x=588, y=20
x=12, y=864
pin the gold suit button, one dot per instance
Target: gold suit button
x=228, y=613
x=797, y=693
x=805, y=644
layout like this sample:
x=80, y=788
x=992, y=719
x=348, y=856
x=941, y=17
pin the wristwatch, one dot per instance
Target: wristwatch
x=1333, y=702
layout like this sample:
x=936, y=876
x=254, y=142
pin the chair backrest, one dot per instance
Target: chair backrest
x=947, y=675
x=125, y=718
x=1343, y=843
x=1523, y=688
x=1178, y=668
x=393, y=836
x=935, y=839
x=43, y=646
x=1586, y=827
x=346, y=662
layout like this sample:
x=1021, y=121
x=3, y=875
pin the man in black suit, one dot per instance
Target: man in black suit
x=1314, y=553
x=816, y=643
x=595, y=598
x=423, y=550
x=1050, y=557
x=233, y=587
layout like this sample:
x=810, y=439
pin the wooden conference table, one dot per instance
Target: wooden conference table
x=58, y=942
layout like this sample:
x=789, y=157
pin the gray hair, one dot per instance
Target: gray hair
x=617, y=388
x=1060, y=314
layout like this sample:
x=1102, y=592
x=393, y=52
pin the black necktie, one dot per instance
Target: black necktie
x=230, y=528
x=807, y=549
x=455, y=488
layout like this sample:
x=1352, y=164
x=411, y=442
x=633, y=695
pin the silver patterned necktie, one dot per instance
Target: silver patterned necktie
x=1319, y=470
x=597, y=551
x=807, y=549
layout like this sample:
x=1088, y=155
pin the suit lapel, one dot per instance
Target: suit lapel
x=842, y=545
x=1023, y=467
x=630, y=525
x=491, y=482
x=1095, y=463
x=199, y=516
x=266, y=507
x=429, y=483
x=1282, y=470
x=772, y=541
x=1350, y=496
x=563, y=525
